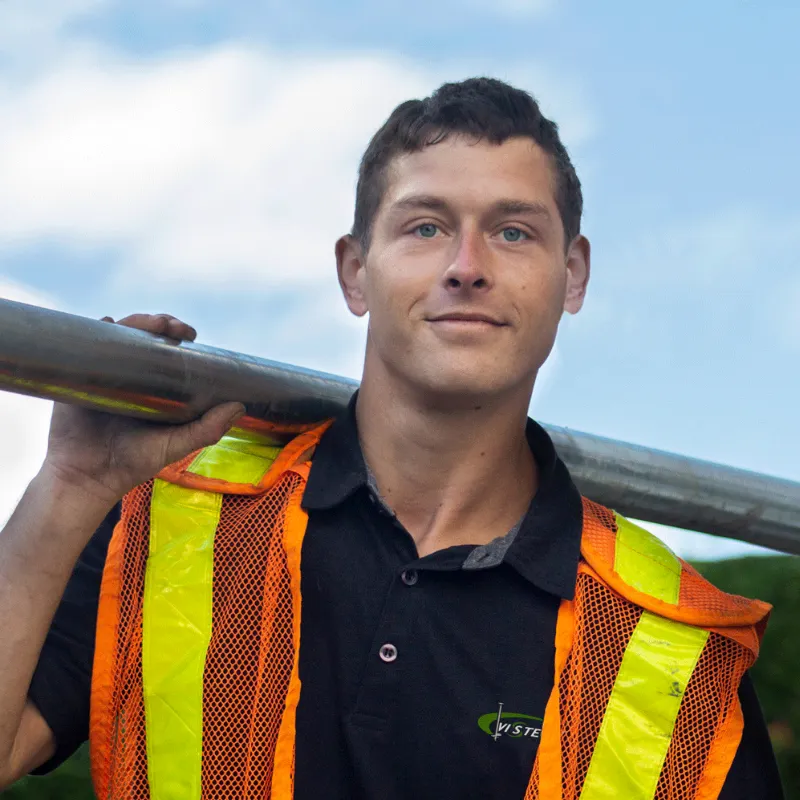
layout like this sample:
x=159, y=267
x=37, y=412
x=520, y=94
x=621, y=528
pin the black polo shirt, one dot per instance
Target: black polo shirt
x=421, y=677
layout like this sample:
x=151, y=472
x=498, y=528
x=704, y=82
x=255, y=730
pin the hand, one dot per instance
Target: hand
x=107, y=455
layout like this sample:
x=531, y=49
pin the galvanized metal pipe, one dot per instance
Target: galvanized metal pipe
x=113, y=368
x=108, y=367
x=688, y=493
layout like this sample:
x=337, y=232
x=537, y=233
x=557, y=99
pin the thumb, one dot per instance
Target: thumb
x=205, y=431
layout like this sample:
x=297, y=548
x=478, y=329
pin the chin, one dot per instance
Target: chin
x=462, y=389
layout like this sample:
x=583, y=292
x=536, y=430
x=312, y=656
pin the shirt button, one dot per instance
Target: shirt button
x=409, y=576
x=388, y=653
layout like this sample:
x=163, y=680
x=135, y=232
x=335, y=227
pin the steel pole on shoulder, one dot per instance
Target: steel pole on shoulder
x=72, y=359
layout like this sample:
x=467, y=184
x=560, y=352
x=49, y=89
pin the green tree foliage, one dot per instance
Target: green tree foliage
x=775, y=579
x=69, y=782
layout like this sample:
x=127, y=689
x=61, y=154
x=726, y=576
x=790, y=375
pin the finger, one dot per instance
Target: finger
x=163, y=324
x=180, y=330
x=152, y=323
x=207, y=430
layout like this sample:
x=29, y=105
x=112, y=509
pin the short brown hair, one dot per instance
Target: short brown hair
x=484, y=108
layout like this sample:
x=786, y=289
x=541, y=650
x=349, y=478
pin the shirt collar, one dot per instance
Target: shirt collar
x=339, y=469
x=546, y=548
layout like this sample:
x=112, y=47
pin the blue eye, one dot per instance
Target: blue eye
x=427, y=231
x=513, y=234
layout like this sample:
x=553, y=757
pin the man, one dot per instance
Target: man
x=429, y=610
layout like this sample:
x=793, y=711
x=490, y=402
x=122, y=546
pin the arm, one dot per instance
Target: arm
x=38, y=550
x=62, y=681
x=93, y=459
x=35, y=744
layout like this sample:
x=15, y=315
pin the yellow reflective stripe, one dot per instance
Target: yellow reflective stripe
x=239, y=457
x=645, y=563
x=75, y=394
x=176, y=630
x=640, y=717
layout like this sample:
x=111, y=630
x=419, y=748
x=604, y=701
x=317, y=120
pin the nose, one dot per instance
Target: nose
x=469, y=269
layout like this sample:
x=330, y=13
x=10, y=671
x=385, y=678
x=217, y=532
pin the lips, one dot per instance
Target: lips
x=467, y=316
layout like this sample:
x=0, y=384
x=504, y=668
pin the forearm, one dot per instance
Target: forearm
x=38, y=550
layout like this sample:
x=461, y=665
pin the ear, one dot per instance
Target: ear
x=350, y=263
x=578, y=269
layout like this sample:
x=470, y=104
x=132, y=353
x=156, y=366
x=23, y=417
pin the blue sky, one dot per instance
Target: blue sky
x=199, y=157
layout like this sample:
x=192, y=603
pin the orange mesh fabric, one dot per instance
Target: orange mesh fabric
x=249, y=660
x=700, y=602
x=709, y=700
x=604, y=623
x=598, y=521
x=119, y=755
x=251, y=654
x=706, y=732
x=250, y=680
x=697, y=592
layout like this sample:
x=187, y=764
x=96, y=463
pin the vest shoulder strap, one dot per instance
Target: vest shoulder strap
x=243, y=462
x=644, y=562
x=641, y=568
x=240, y=457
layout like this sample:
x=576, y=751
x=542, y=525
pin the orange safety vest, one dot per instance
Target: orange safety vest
x=195, y=682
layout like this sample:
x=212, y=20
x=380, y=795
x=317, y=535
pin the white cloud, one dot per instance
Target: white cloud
x=24, y=422
x=232, y=165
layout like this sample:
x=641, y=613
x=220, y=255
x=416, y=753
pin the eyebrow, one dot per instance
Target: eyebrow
x=417, y=201
x=501, y=207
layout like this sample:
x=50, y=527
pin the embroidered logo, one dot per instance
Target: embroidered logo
x=507, y=723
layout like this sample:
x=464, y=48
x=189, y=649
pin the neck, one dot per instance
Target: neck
x=451, y=475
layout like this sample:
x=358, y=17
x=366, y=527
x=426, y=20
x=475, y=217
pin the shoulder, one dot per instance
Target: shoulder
x=637, y=564
x=243, y=461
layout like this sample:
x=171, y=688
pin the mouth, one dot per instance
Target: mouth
x=467, y=318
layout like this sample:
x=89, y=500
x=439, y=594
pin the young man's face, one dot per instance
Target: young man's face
x=466, y=277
